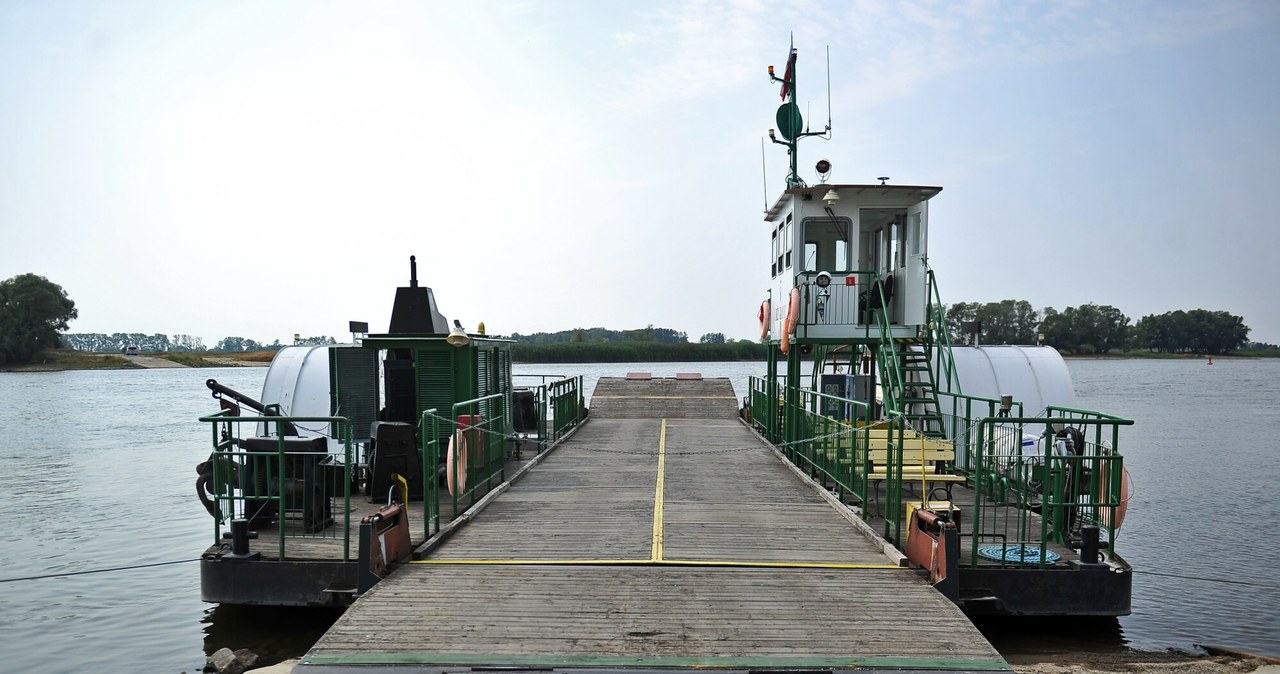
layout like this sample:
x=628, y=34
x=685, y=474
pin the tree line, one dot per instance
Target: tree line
x=636, y=352
x=1093, y=328
x=117, y=341
x=34, y=313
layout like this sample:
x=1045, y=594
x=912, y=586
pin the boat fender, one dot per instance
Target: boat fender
x=456, y=464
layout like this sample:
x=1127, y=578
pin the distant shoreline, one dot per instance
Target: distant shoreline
x=63, y=361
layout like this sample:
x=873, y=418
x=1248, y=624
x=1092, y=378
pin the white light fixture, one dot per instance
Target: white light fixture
x=830, y=198
x=457, y=337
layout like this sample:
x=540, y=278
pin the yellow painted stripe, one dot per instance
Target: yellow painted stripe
x=650, y=562
x=608, y=397
x=656, y=554
x=534, y=562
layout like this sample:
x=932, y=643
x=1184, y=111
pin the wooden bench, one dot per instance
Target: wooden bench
x=923, y=458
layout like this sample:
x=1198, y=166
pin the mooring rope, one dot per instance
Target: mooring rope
x=84, y=573
x=1228, y=581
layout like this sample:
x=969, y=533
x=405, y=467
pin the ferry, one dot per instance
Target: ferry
x=973, y=462
x=355, y=454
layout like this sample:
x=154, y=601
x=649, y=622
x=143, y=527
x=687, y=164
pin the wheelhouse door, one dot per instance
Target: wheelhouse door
x=915, y=280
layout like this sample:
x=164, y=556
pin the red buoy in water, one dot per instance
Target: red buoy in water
x=1210, y=361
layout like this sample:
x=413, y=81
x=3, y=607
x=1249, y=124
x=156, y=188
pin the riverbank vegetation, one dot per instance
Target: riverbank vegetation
x=1100, y=329
x=33, y=311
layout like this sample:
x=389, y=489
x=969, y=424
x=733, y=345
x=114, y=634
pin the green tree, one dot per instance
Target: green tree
x=1089, y=328
x=712, y=338
x=958, y=313
x=33, y=310
x=237, y=344
x=1008, y=322
x=1194, y=331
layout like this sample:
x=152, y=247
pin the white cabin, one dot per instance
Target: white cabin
x=859, y=235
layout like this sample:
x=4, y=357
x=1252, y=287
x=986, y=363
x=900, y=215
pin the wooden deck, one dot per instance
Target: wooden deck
x=676, y=540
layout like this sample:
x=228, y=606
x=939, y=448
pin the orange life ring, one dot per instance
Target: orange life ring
x=456, y=464
x=792, y=320
x=793, y=310
x=764, y=319
x=1125, y=491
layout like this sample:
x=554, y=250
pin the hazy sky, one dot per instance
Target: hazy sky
x=262, y=169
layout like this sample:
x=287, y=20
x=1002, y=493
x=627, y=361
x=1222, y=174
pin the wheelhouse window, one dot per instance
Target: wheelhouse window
x=827, y=246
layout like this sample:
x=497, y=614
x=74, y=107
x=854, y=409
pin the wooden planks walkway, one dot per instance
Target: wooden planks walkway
x=661, y=542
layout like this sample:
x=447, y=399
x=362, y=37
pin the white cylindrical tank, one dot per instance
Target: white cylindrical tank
x=298, y=381
x=1035, y=376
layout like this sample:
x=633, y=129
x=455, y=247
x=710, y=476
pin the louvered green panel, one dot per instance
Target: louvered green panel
x=435, y=380
x=482, y=380
x=353, y=388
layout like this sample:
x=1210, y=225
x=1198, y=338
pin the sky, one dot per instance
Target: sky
x=265, y=169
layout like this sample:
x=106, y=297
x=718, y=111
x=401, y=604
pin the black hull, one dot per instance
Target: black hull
x=273, y=583
x=1084, y=590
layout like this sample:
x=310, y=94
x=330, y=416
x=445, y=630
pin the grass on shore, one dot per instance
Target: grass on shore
x=55, y=360
x=188, y=359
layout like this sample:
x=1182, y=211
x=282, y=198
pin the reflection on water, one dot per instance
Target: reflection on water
x=97, y=471
x=274, y=633
x=1013, y=636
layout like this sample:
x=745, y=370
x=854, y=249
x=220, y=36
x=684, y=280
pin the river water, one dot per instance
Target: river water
x=97, y=471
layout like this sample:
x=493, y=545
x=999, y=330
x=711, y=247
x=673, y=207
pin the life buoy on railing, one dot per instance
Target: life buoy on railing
x=1125, y=491
x=764, y=319
x=792, y=320
x=456, y=464
x=793, y=309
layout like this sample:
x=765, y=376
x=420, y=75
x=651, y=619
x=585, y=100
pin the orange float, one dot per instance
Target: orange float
x=1125, y=489
x=456, y=463
x=792, y=320
x=764, y=319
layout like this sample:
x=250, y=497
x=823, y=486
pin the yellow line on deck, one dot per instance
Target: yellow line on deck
x=656, y=554
x=650, y=562
x=607, y=397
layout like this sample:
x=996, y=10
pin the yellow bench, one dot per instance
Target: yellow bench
x=922, y=459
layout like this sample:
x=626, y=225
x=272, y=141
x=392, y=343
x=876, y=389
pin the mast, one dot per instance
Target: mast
x=789, y=121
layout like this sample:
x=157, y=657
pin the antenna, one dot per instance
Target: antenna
x=764, y=177
x=828, y=89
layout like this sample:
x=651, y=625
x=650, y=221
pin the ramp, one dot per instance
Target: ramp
x=663, y=398
x=652, y=544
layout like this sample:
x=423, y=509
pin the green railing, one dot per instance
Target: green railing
x=945, y=377
x=484, y=423
x=475, y=462
x=543, y=401
x=959, y=412
x=290, y=479
x=764, y=404
x=1029, y=495
x=567, y=408
x=1071, y=478
x=833, y=450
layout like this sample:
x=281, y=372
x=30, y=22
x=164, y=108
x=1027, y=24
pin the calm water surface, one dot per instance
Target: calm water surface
x=97, y=470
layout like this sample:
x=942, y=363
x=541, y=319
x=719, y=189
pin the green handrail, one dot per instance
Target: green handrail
x=227, y=462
